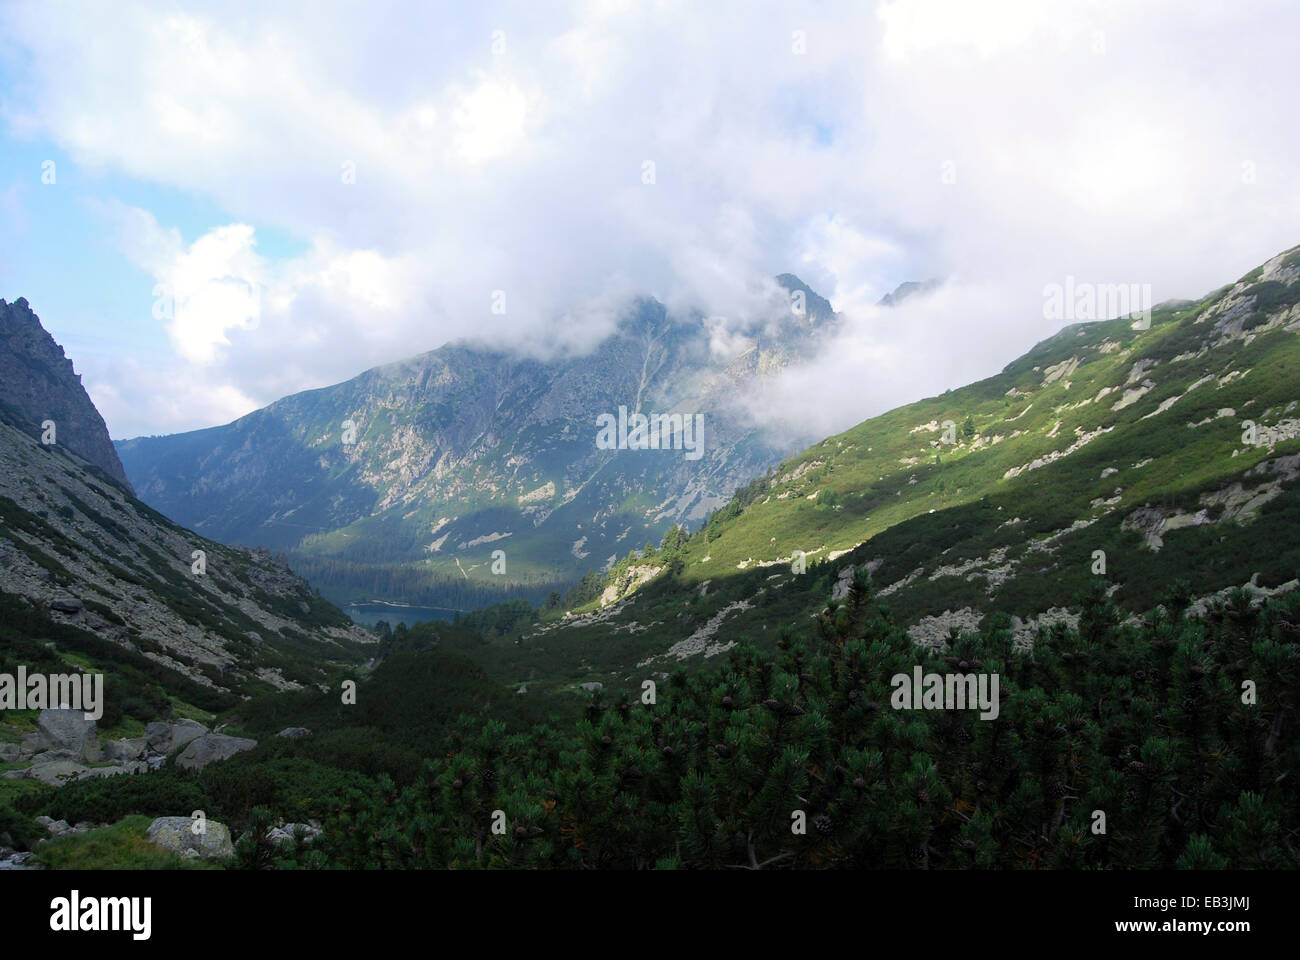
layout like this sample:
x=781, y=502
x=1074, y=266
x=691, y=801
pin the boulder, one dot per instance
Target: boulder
x=285, y=832
x=9, y=752
x=68, y=730
x=165, y=738
x=210, y=748
x=177, y=835
x=185, y=732
x=158, y=738
x=29, y=746
x=66, y=605
x=592, y=686
x=57, y=772
x=294, y=733
x=123, y=750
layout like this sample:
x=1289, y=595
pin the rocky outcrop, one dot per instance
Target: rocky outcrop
x=68, y=731
x=166, y=738
x=210, y=748
x=40, y=385
x=190, y=838
x=81, y=551
x=66, y=747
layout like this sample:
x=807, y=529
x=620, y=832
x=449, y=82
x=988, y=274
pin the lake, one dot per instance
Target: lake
x=368, y=614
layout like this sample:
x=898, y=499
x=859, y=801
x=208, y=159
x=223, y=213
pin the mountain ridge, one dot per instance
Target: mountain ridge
x=41, y=386
x=464, y=450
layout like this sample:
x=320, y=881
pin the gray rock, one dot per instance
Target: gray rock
x=164, y=738
x=66, y=605
x=57, y=773
x=210, y=748
x=294, y=733
x=30, y=746
x=69, y=730
x=523, y=688
x=285, y=832
x=592, y=686
x=177, y=835
x=105, y=772
x=158, y=737
x=124, y=750
x=50, y=756
x=185, y=732
x=9, y=752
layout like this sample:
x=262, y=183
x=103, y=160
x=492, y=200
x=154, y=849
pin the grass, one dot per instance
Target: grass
x=122, y=846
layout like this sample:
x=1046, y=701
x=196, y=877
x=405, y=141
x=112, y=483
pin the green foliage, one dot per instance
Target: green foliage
x=1144, y=723
x=18, y=830
x=122, y=846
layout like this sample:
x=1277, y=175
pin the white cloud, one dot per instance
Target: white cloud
x=1004, y=144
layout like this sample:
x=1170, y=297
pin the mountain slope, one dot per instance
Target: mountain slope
x=82, y=552
x=464, y=451
x=40, y=385
x=1158, y=465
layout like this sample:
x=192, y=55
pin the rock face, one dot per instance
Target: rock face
x=515, y=436
x=212, y=747
x=69, y=731
x=40, y=384
x=178, y=835
x=80, y=550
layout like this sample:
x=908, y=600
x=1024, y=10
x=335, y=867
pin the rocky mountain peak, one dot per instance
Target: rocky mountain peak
x=40, y=384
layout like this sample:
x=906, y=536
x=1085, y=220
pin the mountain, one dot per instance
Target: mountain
x=40, y=386
x=908, y=289
x=464, y=451
x=1157, y=465
x=81, y=557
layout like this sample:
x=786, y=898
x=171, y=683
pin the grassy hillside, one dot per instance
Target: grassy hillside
x=1155, y=459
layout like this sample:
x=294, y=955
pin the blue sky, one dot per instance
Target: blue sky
x=325, y=188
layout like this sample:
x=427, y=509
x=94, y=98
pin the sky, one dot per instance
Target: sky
x=213, y=206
